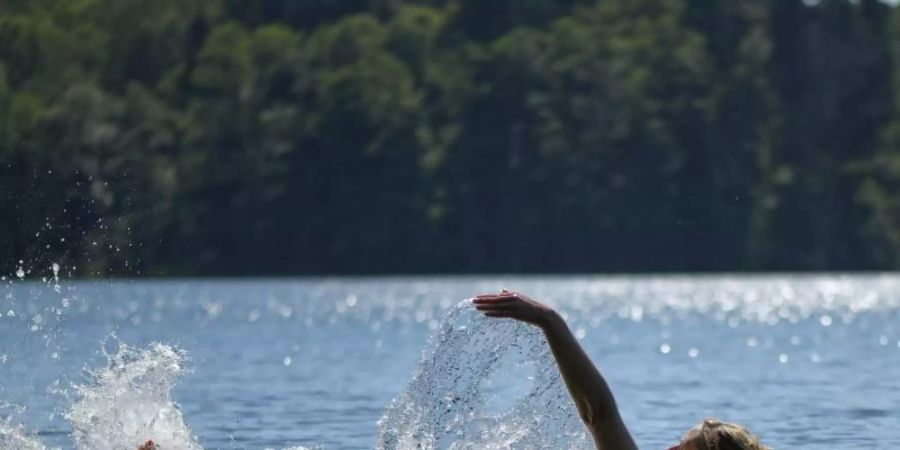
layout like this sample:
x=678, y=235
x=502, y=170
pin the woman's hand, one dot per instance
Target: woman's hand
x=515, y=306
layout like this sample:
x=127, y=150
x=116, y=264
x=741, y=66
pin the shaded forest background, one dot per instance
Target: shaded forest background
x=226, y=137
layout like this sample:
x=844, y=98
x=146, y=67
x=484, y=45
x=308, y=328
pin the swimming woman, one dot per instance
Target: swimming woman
x=593, y=398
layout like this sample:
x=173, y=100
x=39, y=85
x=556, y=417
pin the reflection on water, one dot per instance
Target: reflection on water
x=806, y=361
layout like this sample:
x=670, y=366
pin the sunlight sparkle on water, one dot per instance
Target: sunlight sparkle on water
x=704, y=332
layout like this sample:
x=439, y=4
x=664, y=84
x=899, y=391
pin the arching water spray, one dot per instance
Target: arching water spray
x=445, y=406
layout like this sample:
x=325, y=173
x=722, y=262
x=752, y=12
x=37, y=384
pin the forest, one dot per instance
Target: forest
x=310, y=137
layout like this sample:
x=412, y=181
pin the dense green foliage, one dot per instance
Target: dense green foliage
x=374, y=136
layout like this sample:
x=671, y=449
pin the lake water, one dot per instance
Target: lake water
x=808, y=362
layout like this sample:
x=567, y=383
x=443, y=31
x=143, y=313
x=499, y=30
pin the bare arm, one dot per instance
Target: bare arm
x=588, y=389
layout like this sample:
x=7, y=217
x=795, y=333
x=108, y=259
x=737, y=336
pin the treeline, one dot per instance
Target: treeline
x=224, y=137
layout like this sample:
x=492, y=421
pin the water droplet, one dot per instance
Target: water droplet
x=815, y=358
x=56, y=286
x=825, y=320
x=20, y=273
x=783, y=358
x=752, y=342
x=883, y=340
x=665, y=349
x=580, y=333
x=693, y=352
x=287, y=361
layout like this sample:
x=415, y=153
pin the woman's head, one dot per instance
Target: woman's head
x=712, y=434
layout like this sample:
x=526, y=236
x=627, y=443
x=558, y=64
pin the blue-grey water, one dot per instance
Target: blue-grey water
x=807, y=362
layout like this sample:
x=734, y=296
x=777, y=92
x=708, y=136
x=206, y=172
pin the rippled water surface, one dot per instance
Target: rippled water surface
x=809, y=362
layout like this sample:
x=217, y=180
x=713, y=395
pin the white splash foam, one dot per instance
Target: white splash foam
x=445, y=406
x=129, y=401
x=14, y=436
x=123, y=405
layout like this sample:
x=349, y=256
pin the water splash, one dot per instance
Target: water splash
x=16, y=437
x=12, y=434
x=122, y=405
x=56, y=286
x=129, y=401
x=446, y=405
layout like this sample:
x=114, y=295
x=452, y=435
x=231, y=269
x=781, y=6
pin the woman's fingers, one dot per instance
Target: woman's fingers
x=493, y=299
x=509, y=304
x=505, y=306
x=502, y=294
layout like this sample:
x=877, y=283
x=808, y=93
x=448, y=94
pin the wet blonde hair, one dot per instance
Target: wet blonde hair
x=718, y=435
